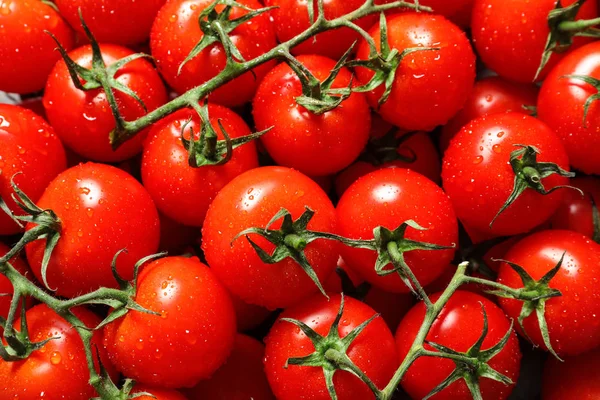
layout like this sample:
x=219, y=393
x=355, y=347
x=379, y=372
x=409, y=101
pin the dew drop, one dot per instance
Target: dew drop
x=55, y=358
x=478, y=160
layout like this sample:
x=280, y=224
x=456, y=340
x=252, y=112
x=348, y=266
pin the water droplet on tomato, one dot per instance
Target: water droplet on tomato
x=497, y=148
x=55, y=358
x=478, y=160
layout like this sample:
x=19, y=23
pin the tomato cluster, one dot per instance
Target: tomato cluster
x=290, y=199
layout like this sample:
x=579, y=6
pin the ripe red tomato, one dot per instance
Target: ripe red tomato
x=102, y=210
x=571, y=318
x=83, y=120
x=291, y=18
x=159, y=394
x=492, y=95
x=458, y=327
x=176, y=32
x=251, y=200
x=59, y=369
x=124, y=22
x=430, y=86
x=30, y=146
x=575, y=212
x=196, y=322
x=373, y=351
x=561, y=106
x=313, y=144
x=478, y=177
x=26, y=52
x=242, y=376
x=389, y=197
x=182, y=192
x=5, y=286
x=510, y=35
x=577, y=378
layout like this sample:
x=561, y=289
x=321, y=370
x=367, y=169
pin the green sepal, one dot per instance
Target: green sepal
x=595, y=83
x=529, y=174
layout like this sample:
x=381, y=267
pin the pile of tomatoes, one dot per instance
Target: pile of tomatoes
x=487, y=146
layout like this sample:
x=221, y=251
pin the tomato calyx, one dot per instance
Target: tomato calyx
x=331, y=351
x=534, y=295
x=595, y=83
x=384, y=63
x=216, y=27
x=471, y=365
x=384, y=149
x=529, y=174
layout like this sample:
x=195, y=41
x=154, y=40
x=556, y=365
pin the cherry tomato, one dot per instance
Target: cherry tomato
x=5, y=286
x=101, y=210
x=577, y=378
x=389, y=197
x=510, y=35
x=30, y=146
x=176, y=32
x=478, y=177
x=458, y=327
x=429, y=86
x=26, y=51
x=252, y=200
x=373, y=351
x=314, y=144
x=159, y=394
x=561, y=106
x=180, y=191
x=575, y=212
x=196, y=322
x=83, y=120
x=241, y=377
x=491, y=95
x=124, y=22
x=59, y=369
x=571, y=318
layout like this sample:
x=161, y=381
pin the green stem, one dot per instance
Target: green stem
x=396, y=255
x=579, y=25
x=341, y=359
x=493, y=284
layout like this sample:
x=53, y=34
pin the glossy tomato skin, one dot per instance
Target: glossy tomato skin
x=83, y=120
x=577, y=378
x=197, y=322
x=389, y=197
x=175, y=33
x=571, y=318
x=561, y=106
x=180, y=191
x=457, y=11
x=313, y=144
x=101, y=210
x=575, y=212
x=430, y=86
x=510, y=35
x=159, y=394
x=458, y=327
x=242, y=376
x=477, y=175
x=373, y=351
x=59, y=369
x=26, y=52
x=251, y=200
x=5, y=284
x=124, y=22
x=492, y=95
x=29, y=146
x=291, y=18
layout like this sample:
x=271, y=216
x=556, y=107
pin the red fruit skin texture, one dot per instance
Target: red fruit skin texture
x=510, y=35
x=5, y=284
x=83, y=119
x=575, y=212
x=492, y=95
x=577, y=378
x=251, y=200
x=29, y=146
x=315, y=145
x=101, y=210
x=159, y=394
x=27, y=52
x=196, y=322
x=124, y=22
x=458, y=327
x=478, y=178
x=430, y=86
x=561, y=106
x=389, y=197
x=176, y=32
x=373, y=351
x=180, y=191
x=242, y=376
x=457, y=11
x=59, y=369
x=571, y=318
